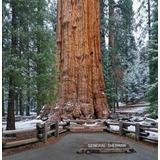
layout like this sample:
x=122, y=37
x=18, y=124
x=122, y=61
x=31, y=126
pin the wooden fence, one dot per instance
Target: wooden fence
x=43, y=131
x=139, y=131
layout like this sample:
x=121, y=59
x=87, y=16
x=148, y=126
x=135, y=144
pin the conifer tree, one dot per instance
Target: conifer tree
x=106, y=64
x=27, y=27
x=153, y=62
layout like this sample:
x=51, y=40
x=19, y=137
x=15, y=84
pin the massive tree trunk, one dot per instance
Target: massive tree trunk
x=82, y=91
x=78, y=48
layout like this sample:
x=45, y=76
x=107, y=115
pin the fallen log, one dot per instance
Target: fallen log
x=127, y=112
x=135, y=105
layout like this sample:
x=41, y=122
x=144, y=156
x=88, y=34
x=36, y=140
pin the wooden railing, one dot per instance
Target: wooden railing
x=43, y=131
x=139, y=131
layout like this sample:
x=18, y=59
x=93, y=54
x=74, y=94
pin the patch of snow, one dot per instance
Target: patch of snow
x=25, y=124
x=61, y=122
x=153, y=135
x=131, y=128
x=136, y=109
x=69, y=104
x=104, y=112
x=115, y=128
x=38, y=116
x=33, y=113
x=43, y=107
x=122, y=104
x=94, y=124
x=73, y=123
x=151, y=120
x=57, y=107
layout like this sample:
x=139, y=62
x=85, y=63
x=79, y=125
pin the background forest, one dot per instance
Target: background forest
x=129, y=46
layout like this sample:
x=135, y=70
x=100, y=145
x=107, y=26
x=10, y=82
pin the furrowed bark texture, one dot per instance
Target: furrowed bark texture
x=81, y=94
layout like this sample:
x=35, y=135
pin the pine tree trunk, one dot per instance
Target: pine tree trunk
x=28, y=104
x=16, y=103
x=82, y=91
x=11, y=95
x=111, y=23
x=3, y=107
x=10, y=113
x=27, y=52
x=38, y=104
x=28, y=76
x=20, y=103
x=38, y=83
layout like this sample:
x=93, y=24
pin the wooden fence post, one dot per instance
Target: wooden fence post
x=137, y=131
x=52, y=127
x=57, y=129
x=68, y=125
x=39, y=128
x=121, y=128
x=104, y=124
x=45, y=133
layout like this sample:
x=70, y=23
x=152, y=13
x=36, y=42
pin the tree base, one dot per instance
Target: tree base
x=76, y=111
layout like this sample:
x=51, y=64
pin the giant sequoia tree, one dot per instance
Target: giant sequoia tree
x=82, y=90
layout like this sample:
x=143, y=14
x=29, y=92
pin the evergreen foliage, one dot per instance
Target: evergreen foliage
x=106, y=64
x=31, y=62
x=119, y=60
x=153, y=62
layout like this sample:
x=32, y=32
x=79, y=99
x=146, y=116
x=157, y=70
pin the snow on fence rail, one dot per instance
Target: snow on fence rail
x=135, y=105
x=53, y=129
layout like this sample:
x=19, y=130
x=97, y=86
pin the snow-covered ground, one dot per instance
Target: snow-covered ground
x=135, y=109
x=27, y=124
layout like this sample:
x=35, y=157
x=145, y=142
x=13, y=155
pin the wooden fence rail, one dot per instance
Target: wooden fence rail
x=43, y=130
x=139, y=131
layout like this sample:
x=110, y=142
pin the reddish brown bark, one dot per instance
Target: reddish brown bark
x=81, y=94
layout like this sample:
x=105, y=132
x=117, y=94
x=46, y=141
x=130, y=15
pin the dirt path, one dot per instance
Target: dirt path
x=65, y=149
